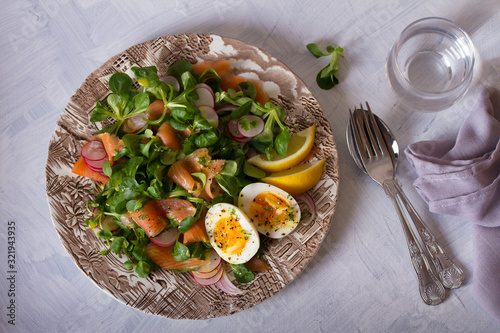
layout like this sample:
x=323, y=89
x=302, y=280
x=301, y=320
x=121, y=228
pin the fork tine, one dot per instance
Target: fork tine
x=358, y=135
x=378, y=134
x=354, y=133
x=374, y=144
x=361, y=126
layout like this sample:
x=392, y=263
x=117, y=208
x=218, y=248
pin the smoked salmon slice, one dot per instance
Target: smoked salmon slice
x=177, y=209
x=197, y=232
x=168, y=135
x=82, y=169
x=180, y=175
x=150, y=218
x=112, y=145
x=163, y=257
x=212, y=189
x=198, y=161
x=155, y=109
x=194, y=161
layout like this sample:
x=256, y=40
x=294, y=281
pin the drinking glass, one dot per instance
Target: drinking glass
x=430, y=66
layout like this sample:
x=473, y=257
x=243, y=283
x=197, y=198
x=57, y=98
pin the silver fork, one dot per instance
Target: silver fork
x=376, y=159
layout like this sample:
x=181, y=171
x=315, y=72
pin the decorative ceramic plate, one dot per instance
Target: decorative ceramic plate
x=166, y=293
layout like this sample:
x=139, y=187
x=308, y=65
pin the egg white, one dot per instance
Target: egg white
x=276, y=229
x=222, y=211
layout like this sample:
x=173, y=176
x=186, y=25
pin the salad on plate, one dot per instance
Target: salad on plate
x=196, y=167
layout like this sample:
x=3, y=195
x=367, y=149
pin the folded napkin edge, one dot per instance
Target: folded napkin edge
x=465, y=199
x=484, y=171
x=483, y=214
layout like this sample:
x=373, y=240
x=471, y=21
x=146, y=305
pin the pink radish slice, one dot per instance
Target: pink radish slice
x=214, y=261
x=166, y=238
x=232, y=127
x=210, y=115
x=244, y=140
x=169, y=79
x=224, y=108
x=126, y=128
x=135, y=123
x=203, y=85
x=256, y=125
x=211, y=268
x=94, y=151
x=205, y=95
x=209, y=275
x=96, y=165
x=212, y=280
x=227, y=286
x=95, y=155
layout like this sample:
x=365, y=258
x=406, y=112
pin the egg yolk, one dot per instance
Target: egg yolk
x=271, y=209
x=230, y=236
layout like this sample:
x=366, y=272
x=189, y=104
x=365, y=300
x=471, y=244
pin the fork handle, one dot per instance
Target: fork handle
x=430, y=288
x=449, y=273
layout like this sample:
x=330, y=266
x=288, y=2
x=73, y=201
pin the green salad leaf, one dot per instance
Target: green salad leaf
x=327, y=77
x=242, y=273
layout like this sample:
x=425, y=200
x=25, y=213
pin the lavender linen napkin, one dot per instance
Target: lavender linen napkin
x=462, y=178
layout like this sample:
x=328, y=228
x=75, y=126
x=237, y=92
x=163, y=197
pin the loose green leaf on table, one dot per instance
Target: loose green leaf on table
x=327, y=77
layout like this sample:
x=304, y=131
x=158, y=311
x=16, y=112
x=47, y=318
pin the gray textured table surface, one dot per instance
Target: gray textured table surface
x=360, y=280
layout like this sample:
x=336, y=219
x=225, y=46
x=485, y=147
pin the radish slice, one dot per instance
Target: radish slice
x=96, y=165
x=205, y=95
x=126, y=128
x=208, y=275
x=107, y=223
x=227, y=286
x=255, y=125
x=169, y=79
x=166, y=238
x=224, y=108
x=244, y=140
x=95, y=155
x=135, y=123
x=214, y=262
x=212, y=280
x=232, y=127
x=210, y=115
x=127, y=220
x=94, y=151
x=203, y=85
x=305, y=197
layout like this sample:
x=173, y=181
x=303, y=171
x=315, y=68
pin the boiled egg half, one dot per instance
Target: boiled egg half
x=231, y=233
x=274, y=212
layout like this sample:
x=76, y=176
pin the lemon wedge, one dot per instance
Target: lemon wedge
x=298, y=179
x=299, y=147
